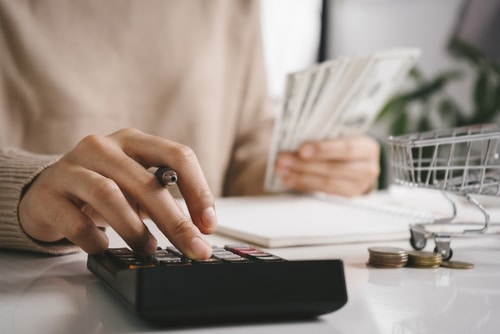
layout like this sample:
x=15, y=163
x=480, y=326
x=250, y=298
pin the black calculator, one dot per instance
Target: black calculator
x=238, y=283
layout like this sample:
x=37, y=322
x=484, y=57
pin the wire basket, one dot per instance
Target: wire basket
x=464, y=161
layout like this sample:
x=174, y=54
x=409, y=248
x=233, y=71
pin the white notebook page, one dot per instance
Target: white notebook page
x=288, y=220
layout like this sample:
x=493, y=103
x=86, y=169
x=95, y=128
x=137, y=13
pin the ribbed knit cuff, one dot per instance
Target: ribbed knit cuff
x=17, y=169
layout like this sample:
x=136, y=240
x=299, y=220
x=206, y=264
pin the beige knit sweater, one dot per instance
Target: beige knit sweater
x=190, y=71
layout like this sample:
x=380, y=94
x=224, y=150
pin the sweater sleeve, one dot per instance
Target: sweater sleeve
x=17, y=169
x=245, y=175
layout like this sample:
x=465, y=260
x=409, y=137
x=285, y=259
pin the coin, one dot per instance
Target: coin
x=457, y=265
x=423, y=259
x=395, y=257
x=387, y=250
x=387, y=257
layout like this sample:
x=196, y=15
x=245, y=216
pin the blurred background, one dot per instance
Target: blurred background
x=456, y=82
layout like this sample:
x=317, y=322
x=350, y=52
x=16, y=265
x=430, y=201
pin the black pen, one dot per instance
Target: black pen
x=166, y=176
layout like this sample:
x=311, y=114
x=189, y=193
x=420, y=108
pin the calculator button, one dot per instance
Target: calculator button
x=174, y=262
x=238, y=246
x=222, y=255
x=211, y=260
x=259, y=254
x=121, y=252
x=166, y=255
x=161, y=252
x=138, y=263
x=268, y=258
x=254, y=253
x=167, y=258
x=118, y=251
x=238, y=259
x=126, y=257
x=243, y=251
x=219, y=251
x=173, y=250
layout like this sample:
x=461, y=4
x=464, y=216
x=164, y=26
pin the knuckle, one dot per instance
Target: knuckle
x=77, y=230
x=92, y=143
x=104, y=189
x=56, y=217
x=127, y=132
x=183, y=153
x=182, y=228
x=204, y=195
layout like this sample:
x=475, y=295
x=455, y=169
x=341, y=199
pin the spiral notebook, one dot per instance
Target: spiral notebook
x=294, y=220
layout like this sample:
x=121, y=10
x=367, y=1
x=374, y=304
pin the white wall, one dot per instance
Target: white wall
x=363, y=26
x=291, y=31
x=359, y=27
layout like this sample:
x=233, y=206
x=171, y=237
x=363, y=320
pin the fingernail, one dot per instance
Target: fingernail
x=200, y=248
x=209, y=218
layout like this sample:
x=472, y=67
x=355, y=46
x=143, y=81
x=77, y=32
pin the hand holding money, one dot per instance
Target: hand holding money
x=329, y=108
x=346, y=166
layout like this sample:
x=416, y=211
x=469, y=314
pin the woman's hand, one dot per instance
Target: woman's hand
x=347, y=166
x=105, y=179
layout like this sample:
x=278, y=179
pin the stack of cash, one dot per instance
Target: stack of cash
x=336, y=98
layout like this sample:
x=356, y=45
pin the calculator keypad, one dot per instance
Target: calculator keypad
x=171, y=256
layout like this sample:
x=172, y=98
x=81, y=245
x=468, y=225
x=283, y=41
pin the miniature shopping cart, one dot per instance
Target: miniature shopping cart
x=463, y=161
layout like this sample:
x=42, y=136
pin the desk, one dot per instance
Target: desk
x=40, y=294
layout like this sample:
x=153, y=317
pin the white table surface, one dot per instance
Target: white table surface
x=41, y=294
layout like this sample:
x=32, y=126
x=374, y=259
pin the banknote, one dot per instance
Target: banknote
x=336, y=98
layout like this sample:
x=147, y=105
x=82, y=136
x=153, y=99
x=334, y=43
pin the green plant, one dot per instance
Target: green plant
x=428, y=105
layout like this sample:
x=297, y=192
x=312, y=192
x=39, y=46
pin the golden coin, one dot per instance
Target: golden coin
x=385, y=264
x=457, y=265
x=423, y=259
x=387, y=257
x=423, y=254
x=387, y=250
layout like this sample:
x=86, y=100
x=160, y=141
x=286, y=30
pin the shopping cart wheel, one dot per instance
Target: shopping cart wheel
x=446, y=254
x=417, y=240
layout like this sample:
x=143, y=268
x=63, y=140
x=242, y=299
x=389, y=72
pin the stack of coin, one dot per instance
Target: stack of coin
x=387, y=257
x=422, y=259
